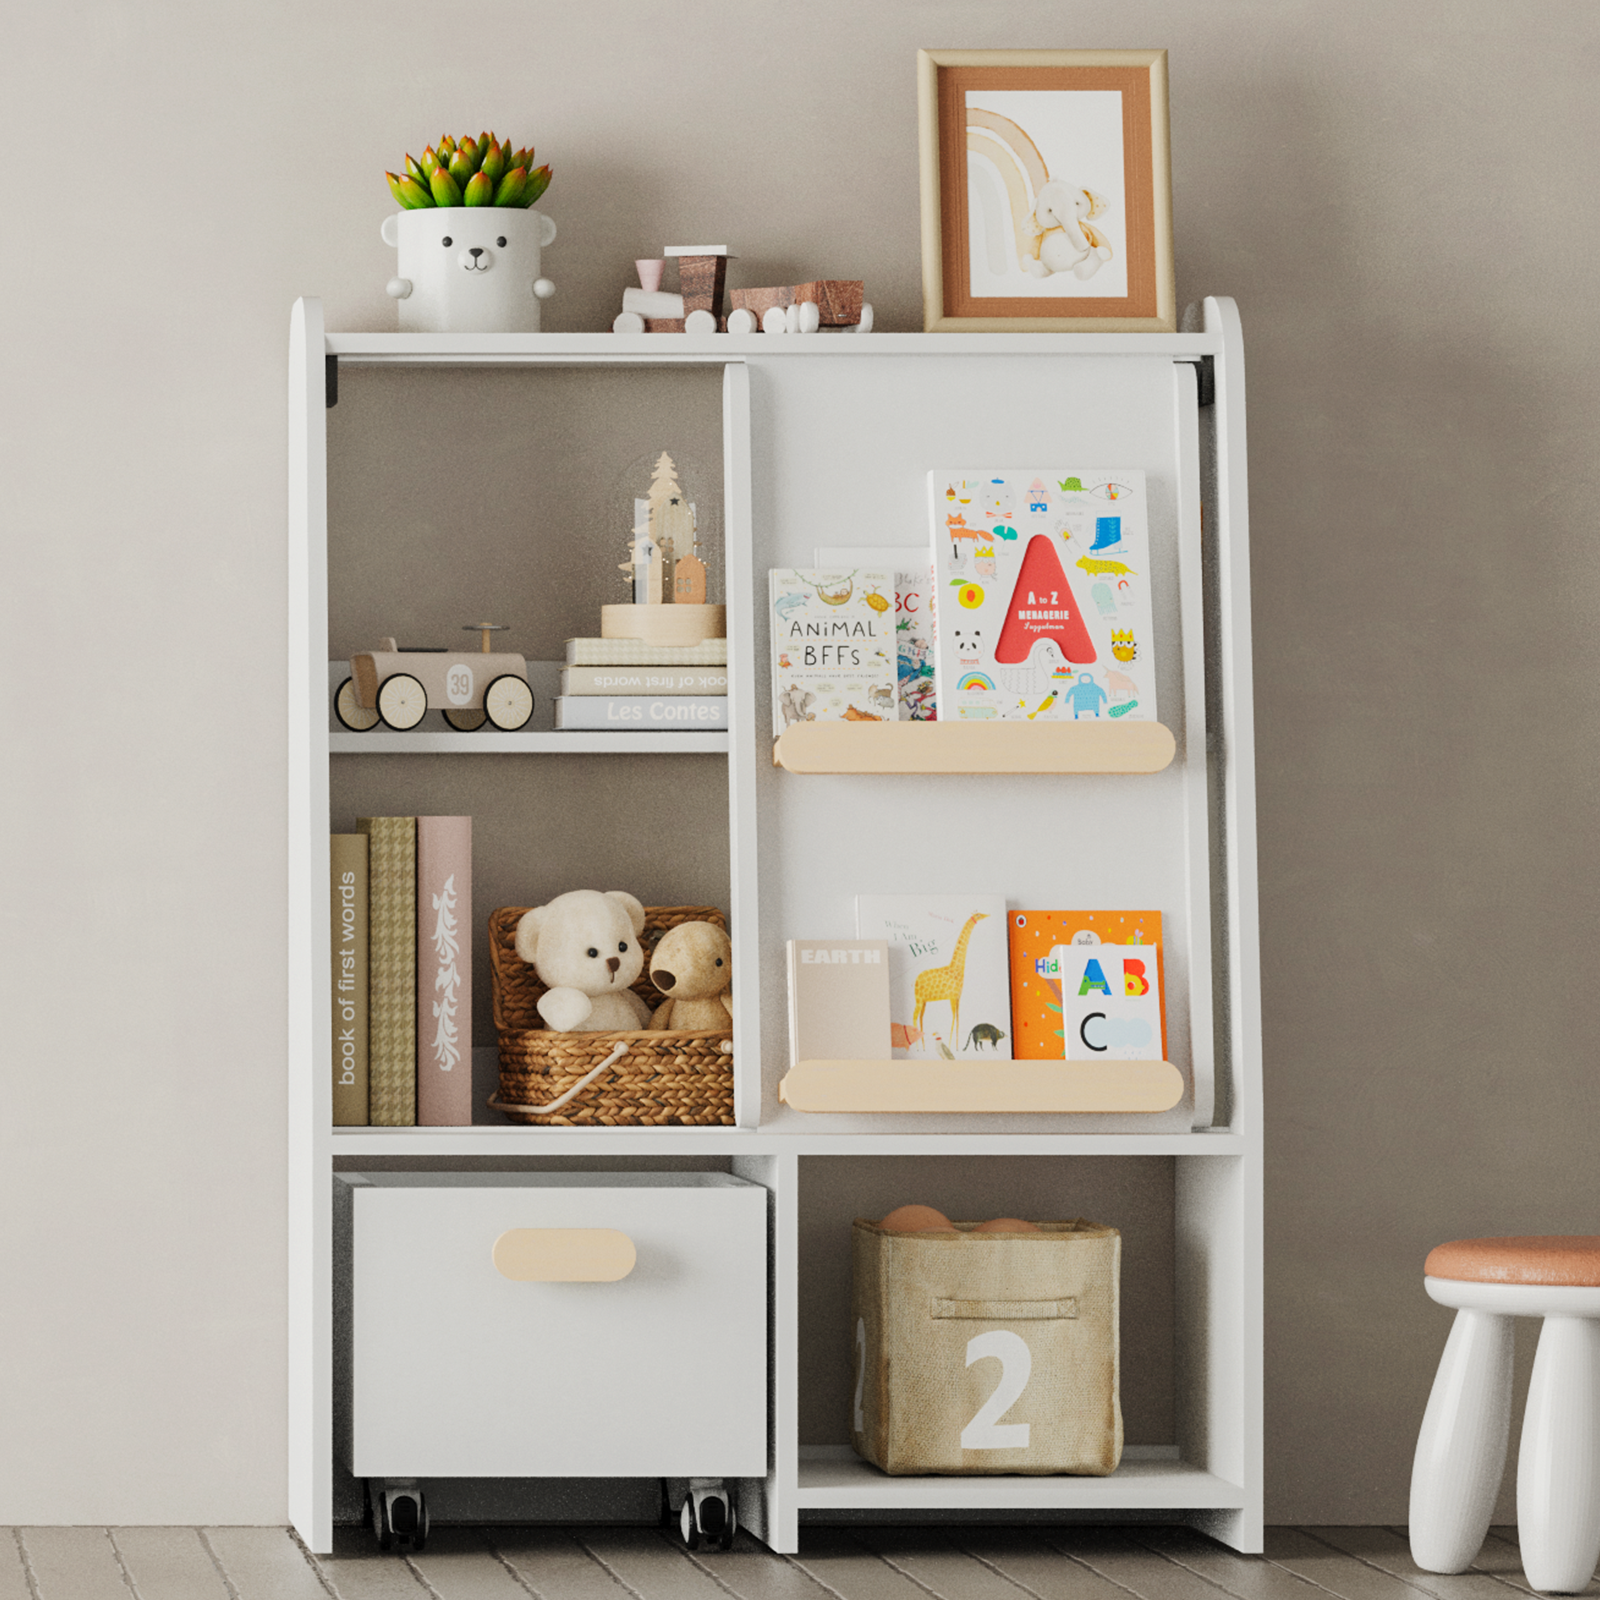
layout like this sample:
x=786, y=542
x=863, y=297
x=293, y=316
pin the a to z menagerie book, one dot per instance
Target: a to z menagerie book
x=1040, y=1012
x=949, y=995
x=832, y=640
x=392, y=982
x=347, y=859
x=1042, y=578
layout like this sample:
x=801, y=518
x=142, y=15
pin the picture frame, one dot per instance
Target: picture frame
x=1046, y=191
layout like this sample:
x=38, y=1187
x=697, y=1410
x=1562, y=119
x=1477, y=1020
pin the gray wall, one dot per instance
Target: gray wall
x=1401, y=200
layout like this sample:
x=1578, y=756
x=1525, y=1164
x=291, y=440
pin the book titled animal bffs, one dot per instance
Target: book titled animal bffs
x=833, y=645
x=1042, y=581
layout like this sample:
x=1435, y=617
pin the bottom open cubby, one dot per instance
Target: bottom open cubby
x=1181, y=1401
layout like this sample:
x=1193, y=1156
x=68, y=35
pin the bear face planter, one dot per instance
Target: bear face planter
x=469, y=269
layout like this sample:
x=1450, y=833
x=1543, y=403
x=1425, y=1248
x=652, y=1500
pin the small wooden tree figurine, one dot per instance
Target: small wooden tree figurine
x=664, y=569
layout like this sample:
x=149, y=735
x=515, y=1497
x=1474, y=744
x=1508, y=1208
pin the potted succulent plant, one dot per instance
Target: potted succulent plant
x=469, y=238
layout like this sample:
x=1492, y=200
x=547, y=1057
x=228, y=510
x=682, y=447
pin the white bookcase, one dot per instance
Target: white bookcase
x=824, y=440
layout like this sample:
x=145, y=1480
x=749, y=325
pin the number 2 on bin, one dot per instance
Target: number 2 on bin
x=985, y=1431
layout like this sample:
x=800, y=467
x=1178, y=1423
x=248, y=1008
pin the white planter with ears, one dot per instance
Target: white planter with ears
x=469, y=269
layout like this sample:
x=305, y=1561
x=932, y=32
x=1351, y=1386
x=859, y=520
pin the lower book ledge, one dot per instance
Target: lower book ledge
x=834, y=1477
x=1001, y=1086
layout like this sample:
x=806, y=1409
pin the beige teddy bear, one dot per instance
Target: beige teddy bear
x=693, y=967
x=585, y=946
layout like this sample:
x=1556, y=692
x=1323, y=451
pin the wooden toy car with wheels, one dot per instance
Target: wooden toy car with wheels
x=397, y=687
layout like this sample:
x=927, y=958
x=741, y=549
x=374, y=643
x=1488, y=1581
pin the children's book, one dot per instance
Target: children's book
x=833, y=656
x=1042, y=585
x=949, y=998
x=1110, y=1001
x=1038, y=1012
x=838, y=1000
x=913, y=619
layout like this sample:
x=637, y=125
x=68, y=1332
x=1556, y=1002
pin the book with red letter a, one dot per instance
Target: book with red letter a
x=1042, y=595
x=444, y=971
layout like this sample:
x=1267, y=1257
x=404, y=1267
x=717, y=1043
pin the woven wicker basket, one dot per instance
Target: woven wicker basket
x=662, y=1078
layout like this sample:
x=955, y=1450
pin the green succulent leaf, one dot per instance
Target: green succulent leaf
x=512, y=187
x=416, y=170
x=411, y=195
x=538, y=182
x=479, y=190
x=430, y=159
x=447, y=147
x=493, y=166
x=461, y=167
x=446, y=191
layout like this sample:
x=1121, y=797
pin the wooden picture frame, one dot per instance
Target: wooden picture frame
x=1007, y=247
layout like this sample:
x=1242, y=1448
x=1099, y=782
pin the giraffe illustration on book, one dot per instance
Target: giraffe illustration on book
x=944, y=983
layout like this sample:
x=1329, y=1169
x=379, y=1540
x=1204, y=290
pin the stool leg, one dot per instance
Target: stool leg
x=1461, y=1451
x=1558, y=1469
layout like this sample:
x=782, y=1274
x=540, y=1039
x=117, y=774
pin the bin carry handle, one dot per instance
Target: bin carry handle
x=1007, y=1310
x=561, y=1099
x=564, y=1255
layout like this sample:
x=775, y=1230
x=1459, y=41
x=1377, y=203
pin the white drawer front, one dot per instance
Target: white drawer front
x=462, y=1372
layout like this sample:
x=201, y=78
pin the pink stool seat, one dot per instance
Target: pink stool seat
x=1559, y=1260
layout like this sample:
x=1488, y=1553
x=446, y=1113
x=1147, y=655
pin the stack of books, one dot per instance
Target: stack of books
x=401, y=972
x=631, y=685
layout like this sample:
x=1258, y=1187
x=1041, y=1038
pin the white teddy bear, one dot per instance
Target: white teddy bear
x=585, y=946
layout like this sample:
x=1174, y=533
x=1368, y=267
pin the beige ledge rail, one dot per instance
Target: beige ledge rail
x=1000, y=1086
x=1006, y=747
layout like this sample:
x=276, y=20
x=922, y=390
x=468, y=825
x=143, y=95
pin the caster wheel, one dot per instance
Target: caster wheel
x=381, y=1520
x=409, y=1515
x=691, y=1534
x=349, y=710
x=468, y=721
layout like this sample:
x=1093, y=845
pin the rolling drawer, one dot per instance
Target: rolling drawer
x=556, y=1324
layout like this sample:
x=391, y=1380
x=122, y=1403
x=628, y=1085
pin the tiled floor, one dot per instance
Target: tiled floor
x=833, y=1564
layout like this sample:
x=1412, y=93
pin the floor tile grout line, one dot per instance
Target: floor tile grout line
x=1167, y=1555
x=122, y=1566
x=516, y=1577
x=1371, y=1566
x=695, y=1561
x=322, y=1576
x=985, y=1562
x=216, y=1561
x=1400, y=1531
x=420, y=1576
x=1083, y=1561
x=594, y=1555
x=27, y=1565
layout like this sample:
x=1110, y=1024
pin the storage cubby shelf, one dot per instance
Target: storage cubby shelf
x=365, y=1144
x=833, y=1477
x=971, y=1089
x=575, y=742
x=986, y=747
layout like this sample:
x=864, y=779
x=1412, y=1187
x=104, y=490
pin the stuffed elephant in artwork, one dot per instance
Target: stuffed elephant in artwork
x=1065, y=242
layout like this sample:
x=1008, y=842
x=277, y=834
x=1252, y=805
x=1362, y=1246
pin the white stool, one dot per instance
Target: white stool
x=1461, y=1451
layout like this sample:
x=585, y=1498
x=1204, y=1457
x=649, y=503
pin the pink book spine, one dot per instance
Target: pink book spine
x=444, y=971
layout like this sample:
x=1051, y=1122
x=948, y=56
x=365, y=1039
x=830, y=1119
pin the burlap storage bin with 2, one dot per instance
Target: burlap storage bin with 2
x=666, y=1078
x=986, y=1352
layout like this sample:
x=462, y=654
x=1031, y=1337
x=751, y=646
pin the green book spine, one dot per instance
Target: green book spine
x=347, y=853
x=392, y=982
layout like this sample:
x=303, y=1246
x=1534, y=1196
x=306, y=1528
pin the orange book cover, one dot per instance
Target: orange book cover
x=1035, y=1000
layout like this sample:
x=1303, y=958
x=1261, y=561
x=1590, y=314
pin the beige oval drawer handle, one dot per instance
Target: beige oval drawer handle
x=564, y=1255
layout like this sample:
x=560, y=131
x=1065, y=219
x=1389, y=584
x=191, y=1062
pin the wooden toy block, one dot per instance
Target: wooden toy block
x=701, y=281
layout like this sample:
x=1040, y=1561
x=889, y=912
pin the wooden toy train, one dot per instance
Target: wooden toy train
x=471, y=688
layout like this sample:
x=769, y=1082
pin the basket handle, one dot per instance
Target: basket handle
x=561, y=1099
